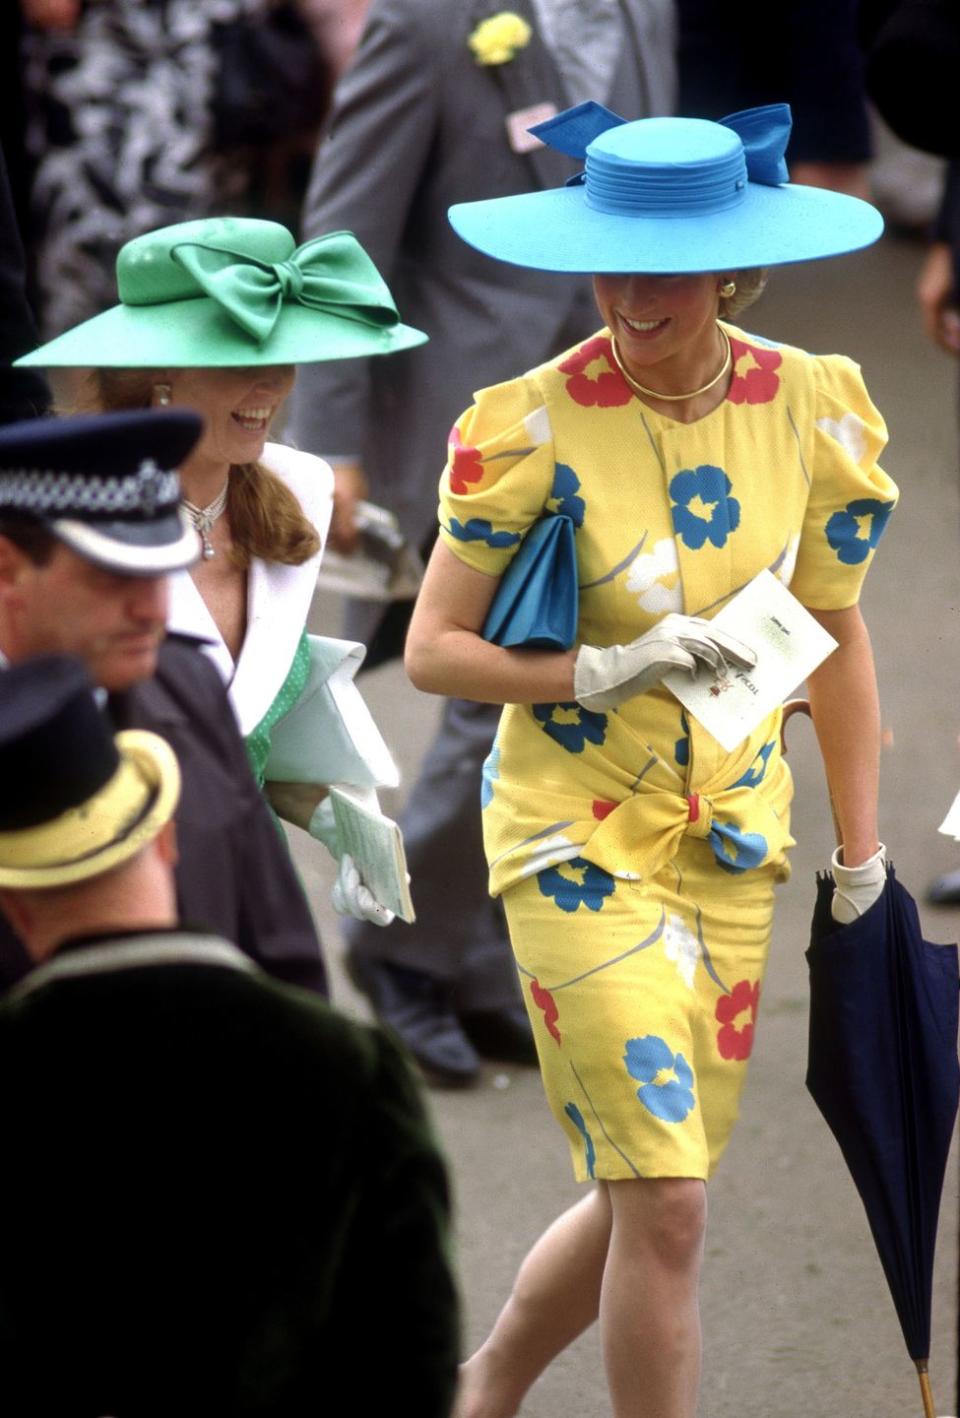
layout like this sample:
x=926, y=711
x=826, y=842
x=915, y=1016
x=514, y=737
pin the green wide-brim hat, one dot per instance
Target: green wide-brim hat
x=235, y=291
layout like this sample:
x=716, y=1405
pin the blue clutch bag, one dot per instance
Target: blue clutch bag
x=537, y=600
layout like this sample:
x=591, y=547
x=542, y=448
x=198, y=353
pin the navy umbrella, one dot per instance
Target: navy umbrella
x=882, y=1069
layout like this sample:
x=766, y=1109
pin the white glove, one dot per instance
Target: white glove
x=604, y=678
x=323, y=827
x=350, y=896
x=857, y=887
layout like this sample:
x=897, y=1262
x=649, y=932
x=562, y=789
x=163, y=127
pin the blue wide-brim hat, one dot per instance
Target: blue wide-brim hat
x=668, y=195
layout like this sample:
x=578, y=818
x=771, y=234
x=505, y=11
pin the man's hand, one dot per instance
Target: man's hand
x=938, y=300
x=349, y=488
x=51, y=14
x=849, y=177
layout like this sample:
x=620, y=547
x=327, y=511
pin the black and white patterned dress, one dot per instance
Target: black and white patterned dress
x=119, y=128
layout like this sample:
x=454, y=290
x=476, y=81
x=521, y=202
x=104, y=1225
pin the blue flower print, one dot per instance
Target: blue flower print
x=491, y=772
x=734, y=850
x=570, y=725
x=681, y=749
x=703, y=509
x=856, y=531
x=478, y=529
x=589, y=886
x=563, y=497
x=667, y=1078
x=755, y=773
x=576, y=1117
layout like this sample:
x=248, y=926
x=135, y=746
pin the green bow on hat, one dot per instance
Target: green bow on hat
x=236, y=292
x=330, y=273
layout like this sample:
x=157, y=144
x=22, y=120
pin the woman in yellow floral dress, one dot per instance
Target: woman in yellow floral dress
x=635, y=857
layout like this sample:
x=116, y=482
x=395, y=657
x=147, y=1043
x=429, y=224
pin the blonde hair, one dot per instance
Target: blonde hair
x=750, y=286
x=266, y=520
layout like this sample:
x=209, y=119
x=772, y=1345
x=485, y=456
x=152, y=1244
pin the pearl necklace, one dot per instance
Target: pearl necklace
x=203, y=518
x=675, y=398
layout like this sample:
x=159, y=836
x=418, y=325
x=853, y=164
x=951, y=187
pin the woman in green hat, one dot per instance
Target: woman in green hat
x=216, y=315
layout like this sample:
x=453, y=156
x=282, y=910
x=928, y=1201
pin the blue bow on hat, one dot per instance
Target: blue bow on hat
x=764, y=133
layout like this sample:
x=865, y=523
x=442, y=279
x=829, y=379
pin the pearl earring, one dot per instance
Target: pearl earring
x=161, y=394
x=728, y=289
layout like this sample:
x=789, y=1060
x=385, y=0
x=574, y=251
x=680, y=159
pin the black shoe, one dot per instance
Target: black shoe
x=416, y=1008
x=945, y=890
x=503, y=1034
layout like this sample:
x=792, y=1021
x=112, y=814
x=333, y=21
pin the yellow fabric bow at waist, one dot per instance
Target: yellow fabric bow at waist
x=644, y=832
x=632, y=824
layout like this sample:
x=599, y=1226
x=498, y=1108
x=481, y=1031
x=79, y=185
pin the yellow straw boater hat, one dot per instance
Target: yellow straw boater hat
x=77, y=800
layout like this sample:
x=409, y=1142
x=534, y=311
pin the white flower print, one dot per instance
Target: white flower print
x=548, y=852
x=849, y=432
x=538, y=427
x=682, y=947
x=655, y=579
x=789, y=563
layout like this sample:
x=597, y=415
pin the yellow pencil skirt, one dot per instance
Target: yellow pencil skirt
x=643, y=1000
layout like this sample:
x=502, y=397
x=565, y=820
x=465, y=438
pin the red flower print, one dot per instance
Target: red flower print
x=733, y=1042
x=602, y=809
x=544, y=1000
x=466, y=465
x=754, y=381
x=606, y=388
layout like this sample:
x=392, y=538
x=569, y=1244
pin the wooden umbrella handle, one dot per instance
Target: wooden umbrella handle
x=926, y=1392
x=791, y=707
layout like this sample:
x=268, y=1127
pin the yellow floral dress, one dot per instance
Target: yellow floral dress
x=636, y=858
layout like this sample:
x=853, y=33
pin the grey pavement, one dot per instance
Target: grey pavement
x=797, y=1319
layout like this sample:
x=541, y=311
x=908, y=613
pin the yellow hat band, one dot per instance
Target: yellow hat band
x=127, y=812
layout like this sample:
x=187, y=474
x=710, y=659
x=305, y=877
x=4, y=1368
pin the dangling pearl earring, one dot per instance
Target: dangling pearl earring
x=161, y=394
x=728, y=289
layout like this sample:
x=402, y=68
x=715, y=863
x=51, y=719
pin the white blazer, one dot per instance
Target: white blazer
x=278, y=598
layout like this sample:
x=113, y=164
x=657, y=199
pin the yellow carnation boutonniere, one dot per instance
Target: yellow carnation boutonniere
x=498, y=40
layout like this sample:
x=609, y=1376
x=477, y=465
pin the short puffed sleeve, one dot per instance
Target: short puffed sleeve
x=851, y=497
x=499, y=475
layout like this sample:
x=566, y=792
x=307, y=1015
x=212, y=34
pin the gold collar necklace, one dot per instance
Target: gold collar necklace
x=675, y=398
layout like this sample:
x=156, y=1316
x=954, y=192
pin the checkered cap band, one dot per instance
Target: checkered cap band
x=146, y=493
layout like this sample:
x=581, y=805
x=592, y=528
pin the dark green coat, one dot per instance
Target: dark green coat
x=220, y=1198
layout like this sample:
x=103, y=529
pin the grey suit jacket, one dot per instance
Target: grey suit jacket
x=416, y=126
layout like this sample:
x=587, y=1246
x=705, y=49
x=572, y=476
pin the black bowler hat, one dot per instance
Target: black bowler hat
x=106, y=485
x=77, y=799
